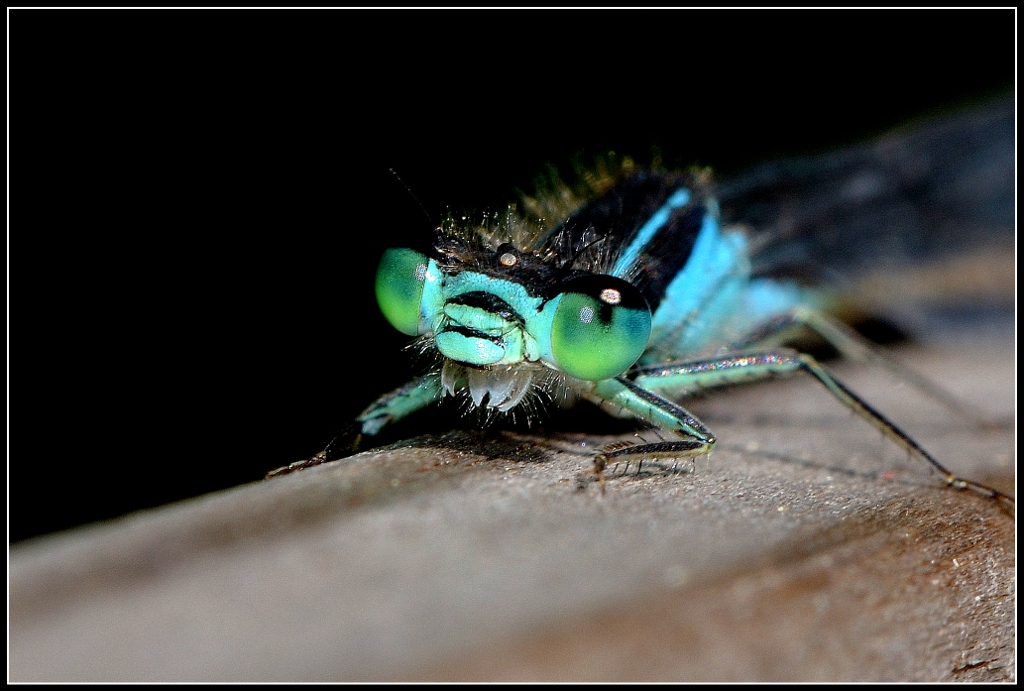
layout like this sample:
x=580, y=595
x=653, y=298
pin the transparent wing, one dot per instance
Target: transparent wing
x=917, y=224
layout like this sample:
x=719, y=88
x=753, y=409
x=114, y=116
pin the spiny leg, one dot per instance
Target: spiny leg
x=730, y=369
x=670, y=449
x=853, y=346
x=403, y=401
x=662, y=447
x=621, y=394
x=389, y=408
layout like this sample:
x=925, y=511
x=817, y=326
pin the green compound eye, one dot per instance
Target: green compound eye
x=400, y=288
x=600, y=328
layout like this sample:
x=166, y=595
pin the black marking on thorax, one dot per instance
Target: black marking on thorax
x=609, y=224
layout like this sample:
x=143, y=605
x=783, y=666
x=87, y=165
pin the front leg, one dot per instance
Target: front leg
x=621, y=395
x=395, y=405
x=390, y=407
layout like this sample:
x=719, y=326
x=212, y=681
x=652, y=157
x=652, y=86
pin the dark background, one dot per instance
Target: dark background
x=198, y=199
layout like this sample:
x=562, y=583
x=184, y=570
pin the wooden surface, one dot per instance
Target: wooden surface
x=806, y=548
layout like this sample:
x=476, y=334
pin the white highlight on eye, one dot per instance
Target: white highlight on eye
x=586, y=314
x=610, y=296
x=508, y=259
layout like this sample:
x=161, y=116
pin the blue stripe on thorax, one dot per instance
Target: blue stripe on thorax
x=656, y=222
x=713, y=299
x=709, y=259
x=718, y=266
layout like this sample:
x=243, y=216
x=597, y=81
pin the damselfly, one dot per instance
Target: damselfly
x=627, y=291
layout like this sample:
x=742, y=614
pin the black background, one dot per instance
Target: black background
x=198, y=199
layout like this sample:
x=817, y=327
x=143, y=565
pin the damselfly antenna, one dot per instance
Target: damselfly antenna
x=411, y=194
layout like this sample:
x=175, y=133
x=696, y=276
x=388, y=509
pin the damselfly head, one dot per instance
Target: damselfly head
x=515, y=303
